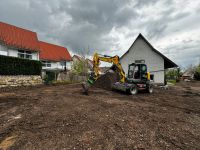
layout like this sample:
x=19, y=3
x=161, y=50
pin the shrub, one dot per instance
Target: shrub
x=197, y=73
x=49, y=77
x=172, y=74
x=18, y=66
x=80, y=68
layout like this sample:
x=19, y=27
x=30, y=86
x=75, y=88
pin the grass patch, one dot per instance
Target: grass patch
x=171, y=82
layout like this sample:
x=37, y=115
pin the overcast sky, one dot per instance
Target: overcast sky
x=111, y=26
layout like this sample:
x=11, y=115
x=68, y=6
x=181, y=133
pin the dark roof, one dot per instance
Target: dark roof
x=167, y=62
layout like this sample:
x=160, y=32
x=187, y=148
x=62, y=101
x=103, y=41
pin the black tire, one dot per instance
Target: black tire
x=150, y=89
x=133, y=90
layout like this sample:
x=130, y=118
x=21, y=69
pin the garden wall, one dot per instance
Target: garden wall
x=20, y=80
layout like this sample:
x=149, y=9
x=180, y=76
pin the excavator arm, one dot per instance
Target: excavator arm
x=95, y=75
x=114, y=60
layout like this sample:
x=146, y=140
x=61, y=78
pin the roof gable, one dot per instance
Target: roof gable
x=19, y=38
x=53, y=52
x=78, y=58
x=188, y=72
x=167, y=62
x=89, y=61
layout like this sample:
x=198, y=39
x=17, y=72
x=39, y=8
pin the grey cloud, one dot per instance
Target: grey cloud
x=78, y=24
x=157, y=25
x=92, y=20
x=142, y=3
x=184, y=52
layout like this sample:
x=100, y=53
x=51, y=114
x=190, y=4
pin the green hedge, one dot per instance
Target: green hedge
x=50, y=77
x=18, y=66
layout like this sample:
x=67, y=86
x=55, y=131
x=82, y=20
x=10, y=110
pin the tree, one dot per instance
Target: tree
x=78, y=67
x=81, y=67
x=173, y=74
x=197, y=72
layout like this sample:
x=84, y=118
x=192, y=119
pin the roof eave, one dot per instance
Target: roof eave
x=54, y=60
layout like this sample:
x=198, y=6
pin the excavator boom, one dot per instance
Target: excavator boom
x=114, y=60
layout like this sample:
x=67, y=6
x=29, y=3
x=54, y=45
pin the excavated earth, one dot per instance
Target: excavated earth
x=107, y=80
x=62, y=117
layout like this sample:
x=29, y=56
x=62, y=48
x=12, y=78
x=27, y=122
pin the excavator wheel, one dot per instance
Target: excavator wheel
x=150, y=89
x=133, y=90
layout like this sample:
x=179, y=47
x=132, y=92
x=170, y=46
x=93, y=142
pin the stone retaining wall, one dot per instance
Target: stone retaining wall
x=6, y=81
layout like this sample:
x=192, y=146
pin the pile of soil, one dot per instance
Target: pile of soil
x=107, y=80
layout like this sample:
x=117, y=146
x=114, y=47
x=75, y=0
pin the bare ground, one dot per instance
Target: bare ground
x=58, y=117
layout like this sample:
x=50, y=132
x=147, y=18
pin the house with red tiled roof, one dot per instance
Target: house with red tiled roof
x=18, y=42
x=54, y=57
x=23, y=43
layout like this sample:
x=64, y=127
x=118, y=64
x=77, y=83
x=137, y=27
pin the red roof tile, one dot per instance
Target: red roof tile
x=53, y=52
x=17, y=37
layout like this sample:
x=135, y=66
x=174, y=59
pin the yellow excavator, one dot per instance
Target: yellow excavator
x=138, y=78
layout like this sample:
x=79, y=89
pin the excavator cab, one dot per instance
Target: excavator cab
x=137, y=72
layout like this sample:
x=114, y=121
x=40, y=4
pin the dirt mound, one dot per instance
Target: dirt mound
x=106, y=80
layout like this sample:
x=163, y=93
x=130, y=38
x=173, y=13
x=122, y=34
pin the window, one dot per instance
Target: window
x=24, y=54
x=3, y=50
x=152, y=77
x=142, y=61
x=144, y=68
x=5, y=53
x=136, y=73
x=46, y=64
x=62, y=63
x=131, y=71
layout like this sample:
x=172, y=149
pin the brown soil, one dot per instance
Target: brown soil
x=58, y=117
x=107, y=80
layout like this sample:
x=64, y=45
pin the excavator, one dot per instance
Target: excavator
x=138, y=78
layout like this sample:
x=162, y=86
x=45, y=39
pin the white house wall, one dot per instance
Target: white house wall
x=68, y=65
x=14, y=53
x=3, y=50
x=142, y=51
x=57, y=65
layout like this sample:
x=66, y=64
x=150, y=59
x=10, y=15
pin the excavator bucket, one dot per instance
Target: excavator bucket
x=86, y=87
